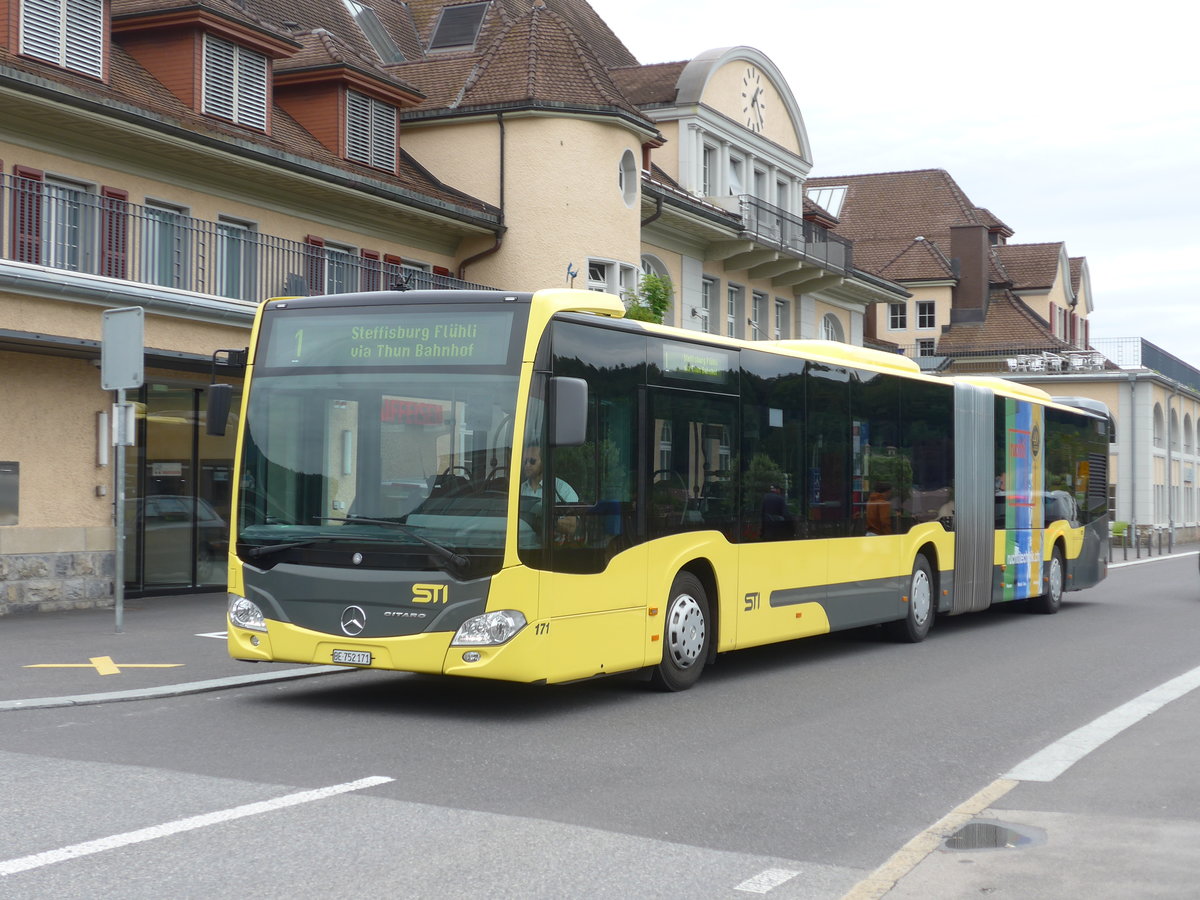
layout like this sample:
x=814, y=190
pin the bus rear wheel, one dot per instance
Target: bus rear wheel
x=687, y=632
x=918, y=619
x=1051, y=601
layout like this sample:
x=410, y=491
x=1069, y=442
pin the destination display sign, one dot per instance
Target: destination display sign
x=696, y=363
x=388, y=337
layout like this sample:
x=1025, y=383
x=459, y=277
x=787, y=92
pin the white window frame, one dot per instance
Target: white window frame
x=831, y=328
x=69, y=225
x=370, y=131
x=735, y=296
x=166, y=237
x=708, y=290
x=708, y=161
x=237, y=258
x=67, y=33
x=234, y=85
x=758, y=306
x=926, y=346
x=898, y=316
x=926, y=314
x=342, y=268
x=737, y=173
x=780, y=329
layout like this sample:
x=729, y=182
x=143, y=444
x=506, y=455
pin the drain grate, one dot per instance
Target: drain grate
x=986, y=834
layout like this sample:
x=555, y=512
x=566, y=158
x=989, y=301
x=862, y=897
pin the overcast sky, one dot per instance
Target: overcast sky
x=1071, y=121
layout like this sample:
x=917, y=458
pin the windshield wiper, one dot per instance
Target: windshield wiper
x=441, y=551
x=268, y=549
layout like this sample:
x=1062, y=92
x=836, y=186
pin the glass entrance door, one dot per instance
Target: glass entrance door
x=178, y=494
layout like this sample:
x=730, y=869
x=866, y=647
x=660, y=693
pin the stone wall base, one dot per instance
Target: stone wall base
x=50, y=582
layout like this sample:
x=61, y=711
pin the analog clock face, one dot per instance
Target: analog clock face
x=752, y=99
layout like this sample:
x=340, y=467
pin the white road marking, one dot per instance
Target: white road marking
x=112, y=842
x=1140, y=562
x=766, y=880
x=219, y=635
x=1050, y=762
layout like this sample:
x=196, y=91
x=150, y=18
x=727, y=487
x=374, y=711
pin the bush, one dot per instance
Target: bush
x=652, y=299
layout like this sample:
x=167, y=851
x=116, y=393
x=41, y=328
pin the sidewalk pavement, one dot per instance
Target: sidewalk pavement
x=1122, y=822
x=167, y=646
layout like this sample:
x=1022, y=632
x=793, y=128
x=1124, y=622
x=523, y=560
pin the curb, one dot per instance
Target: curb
x=171, y=690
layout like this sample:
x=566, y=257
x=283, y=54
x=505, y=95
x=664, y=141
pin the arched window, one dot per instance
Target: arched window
x=831, y=328
x=627, y=178
x=1174, y=434
x=1187, y=433
x=1158, y=425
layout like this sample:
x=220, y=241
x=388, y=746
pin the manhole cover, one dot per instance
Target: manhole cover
x=991, y=835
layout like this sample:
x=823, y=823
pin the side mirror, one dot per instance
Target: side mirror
x=220, y=398
x=568, y=410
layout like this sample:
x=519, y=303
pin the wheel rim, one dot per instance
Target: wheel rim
x=920, y=597
x=1055, y=585
x=685, y=631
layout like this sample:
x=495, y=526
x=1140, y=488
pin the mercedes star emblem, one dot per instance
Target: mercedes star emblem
x=354, y=620
x=356, y=559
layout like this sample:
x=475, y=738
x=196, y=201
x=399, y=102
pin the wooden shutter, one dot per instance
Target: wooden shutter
x=371, y=270
x=28, y=195
x=114, y=232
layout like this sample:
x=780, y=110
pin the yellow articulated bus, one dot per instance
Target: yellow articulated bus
x=531, y=487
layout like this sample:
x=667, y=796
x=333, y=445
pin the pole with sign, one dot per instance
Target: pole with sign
x=122, y=367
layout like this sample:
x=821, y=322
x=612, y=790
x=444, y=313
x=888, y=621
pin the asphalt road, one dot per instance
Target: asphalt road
x=796, y=769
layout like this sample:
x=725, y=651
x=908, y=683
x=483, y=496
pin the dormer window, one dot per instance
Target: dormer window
x=67, y=33
x=235, y=83
x=458, y=27
x=370, y=131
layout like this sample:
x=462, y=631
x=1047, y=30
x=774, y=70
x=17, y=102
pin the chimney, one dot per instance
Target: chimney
x=969, y=256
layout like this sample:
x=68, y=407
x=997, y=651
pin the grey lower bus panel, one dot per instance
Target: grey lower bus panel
x=975, y=497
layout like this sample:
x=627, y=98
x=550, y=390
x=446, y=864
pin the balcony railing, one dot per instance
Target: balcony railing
x=793, y=235
x=1005, y=360
x=73, y=229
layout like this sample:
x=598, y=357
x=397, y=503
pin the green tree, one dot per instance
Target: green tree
x=651, y=300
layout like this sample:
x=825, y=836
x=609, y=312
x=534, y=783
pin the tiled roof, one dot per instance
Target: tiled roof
x=540, y=59
x=225, y=9
x=132, y=87
x=1031, y=267
x=649, y=85
x=1077, y=263
x=883, y=213
x=920, y=259
x=1009, y=326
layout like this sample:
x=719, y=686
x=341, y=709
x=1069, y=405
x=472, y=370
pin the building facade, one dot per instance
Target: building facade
x=194, y=159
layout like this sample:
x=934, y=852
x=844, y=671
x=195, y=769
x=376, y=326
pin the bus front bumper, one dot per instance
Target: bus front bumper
x=422, y=653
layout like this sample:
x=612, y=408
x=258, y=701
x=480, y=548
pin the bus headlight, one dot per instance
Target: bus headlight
x=489, y=629
x=245, y=614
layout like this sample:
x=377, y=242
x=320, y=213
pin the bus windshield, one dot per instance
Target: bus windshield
x=380, y=459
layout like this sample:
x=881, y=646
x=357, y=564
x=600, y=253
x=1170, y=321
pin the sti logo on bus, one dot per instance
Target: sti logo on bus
x=429, y=593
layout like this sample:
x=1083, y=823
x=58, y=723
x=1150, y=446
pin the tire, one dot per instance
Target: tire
x=918, y=618
x=687, y=635
x=1051, y=602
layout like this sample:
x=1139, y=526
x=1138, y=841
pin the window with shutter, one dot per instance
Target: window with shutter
x=235, y=83
x=371, y=270
x=68, y=33
x=370, y=131
x=114, y=232
x=27, y=215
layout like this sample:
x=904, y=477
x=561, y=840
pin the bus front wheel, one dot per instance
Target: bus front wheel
x=687, y=631
x=918, y=618
x=1051, y=601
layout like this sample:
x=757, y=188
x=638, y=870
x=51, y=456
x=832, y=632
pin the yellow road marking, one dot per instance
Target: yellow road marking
x=104, y=665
